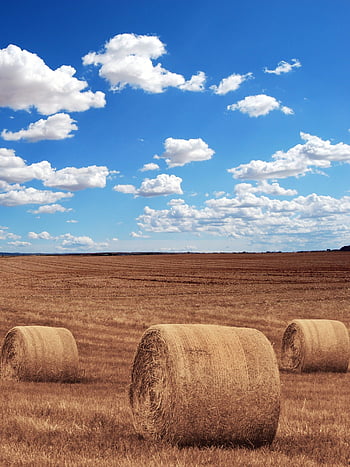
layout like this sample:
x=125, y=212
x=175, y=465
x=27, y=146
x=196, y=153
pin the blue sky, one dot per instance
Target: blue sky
x=174, y=126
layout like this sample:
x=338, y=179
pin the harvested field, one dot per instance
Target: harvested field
x=107, y=302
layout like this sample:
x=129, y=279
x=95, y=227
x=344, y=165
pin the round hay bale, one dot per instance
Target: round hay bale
x=39, y=353
x=205, y=384
x=315, y=345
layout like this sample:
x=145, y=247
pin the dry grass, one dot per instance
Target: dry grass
x=108, y=303
x=39, y=353
x=315, y=345
x=199, y=384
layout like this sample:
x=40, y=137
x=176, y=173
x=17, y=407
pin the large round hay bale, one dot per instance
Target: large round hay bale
x=315, y=345
x=205, y=384
x=39, y=353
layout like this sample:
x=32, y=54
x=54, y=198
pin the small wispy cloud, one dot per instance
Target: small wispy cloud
x=231, y=83
x=284, y=67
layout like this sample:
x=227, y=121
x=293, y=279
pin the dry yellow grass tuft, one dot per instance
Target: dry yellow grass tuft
x=39, y=353
x=315, y=345
x=205, y=384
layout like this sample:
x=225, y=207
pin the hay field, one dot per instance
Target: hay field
x=107, y=302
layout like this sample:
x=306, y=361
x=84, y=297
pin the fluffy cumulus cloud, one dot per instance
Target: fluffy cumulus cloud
x=40, y=236
x=19, y=197
x=82, y=241
x=14, y=171
x=73, y=178
x=4, y=186
x=5, y=234
x=284, y=67
x=128, y=59
x=297, y=161
x=138, y=235
x=58, y=126
x=68, y=241
x=231, y=83
x=19, y=243
x=179, y=152
x=50, y=209
x=251, y=217
x=127, y=189
x=263, y=187
x=261, y=104
x=27, y=82
x=149, y=166
x=264, y=212
x=195, y=84
x=162, y=185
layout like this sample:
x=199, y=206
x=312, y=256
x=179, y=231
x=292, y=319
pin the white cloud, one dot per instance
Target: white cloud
x=218, y=194
x=26, y=82
x=162, y=185
x=31, y=196
x=150, y=166
x=4, y=234
x=138, y=235
x=195, y=84
x=50, y=209
x=127, y=189
x=291, y=166
x=40, y=236
x=263, y=186
x=4, y=186
x=176, y=202
x=68, y=241
x=231, y=83
x=128, y=60
x=72, y=178
x=179, y=152
x=83, y=241
x=297, y=161
x=58, y=126
x=284, y=67
x=254, y=218
x=19, y=243
x=258, y=105
x=287, y=110
x=13, y=169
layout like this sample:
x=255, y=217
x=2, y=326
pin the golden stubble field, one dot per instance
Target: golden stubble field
x=109, y=301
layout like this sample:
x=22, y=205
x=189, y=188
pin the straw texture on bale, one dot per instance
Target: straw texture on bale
x=315, y=345
x=205, y=384
x=39, y=353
